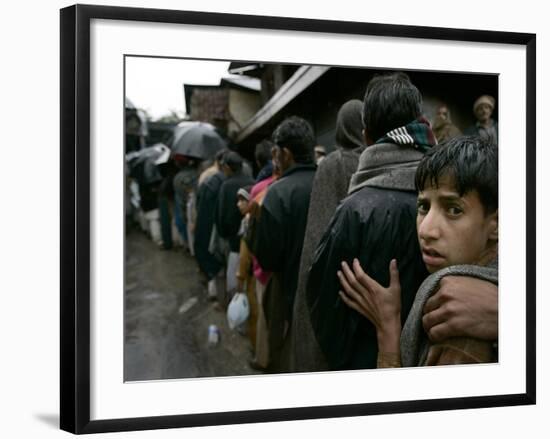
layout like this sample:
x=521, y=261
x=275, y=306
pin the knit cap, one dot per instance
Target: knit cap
x=484, y=99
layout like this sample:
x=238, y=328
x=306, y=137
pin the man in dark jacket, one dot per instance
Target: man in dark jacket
x=375, y=223
x=207, y=201
x=281, y=227
x=228, y=216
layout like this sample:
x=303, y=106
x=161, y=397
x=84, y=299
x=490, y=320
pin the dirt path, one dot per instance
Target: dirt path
x=166, y=319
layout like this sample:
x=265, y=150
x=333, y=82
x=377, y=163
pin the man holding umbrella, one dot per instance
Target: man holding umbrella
x=199, y=140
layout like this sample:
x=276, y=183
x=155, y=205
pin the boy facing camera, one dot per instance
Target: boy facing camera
x=457, y=227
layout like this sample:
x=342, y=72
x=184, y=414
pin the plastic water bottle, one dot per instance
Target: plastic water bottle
x=213, y=335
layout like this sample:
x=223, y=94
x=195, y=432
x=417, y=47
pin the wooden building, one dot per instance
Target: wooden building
x=316, y=93
x=228, y=106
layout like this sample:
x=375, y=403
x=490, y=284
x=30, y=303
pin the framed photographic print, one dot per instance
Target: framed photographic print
x=188, y=299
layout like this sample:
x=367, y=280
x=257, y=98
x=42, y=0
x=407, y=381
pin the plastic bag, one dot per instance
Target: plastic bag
x=238, y=310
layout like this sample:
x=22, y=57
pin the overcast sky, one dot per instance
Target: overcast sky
x=156, y=84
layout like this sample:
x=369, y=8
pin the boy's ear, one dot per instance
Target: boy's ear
x=493, y=226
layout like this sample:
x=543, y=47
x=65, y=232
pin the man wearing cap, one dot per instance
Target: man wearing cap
x=485, y=127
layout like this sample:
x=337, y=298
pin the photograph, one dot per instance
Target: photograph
x=289, y=218
x=267, y=219
x=259, y=225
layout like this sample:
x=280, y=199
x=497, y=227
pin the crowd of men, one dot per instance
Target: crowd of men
x=382, y=253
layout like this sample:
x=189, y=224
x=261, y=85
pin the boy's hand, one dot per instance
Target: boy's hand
x=463, y=306
x=382, y=306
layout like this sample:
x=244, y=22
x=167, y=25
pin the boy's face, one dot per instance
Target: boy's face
x=454, y=229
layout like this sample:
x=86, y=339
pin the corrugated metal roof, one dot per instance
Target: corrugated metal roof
x=300, y=81
x=249, y=69
x=247, y=82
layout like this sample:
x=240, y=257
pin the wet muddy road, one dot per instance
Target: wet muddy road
x=166, y=319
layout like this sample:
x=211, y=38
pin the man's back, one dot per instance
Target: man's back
x=374, y=225
x=281, y=228
x=207, y=198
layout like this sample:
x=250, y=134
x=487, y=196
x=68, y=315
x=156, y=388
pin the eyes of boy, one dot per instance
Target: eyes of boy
x=452, y=206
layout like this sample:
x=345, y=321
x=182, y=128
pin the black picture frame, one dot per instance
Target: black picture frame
x=75, y=217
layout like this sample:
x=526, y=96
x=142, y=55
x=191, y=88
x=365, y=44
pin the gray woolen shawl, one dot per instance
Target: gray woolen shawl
x=330, y=186
x=414, y=340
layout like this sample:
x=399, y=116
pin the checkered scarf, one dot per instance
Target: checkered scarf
x=418, y=134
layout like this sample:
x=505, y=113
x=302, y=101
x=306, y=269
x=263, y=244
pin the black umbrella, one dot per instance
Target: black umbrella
x=144, y=164
x=197, y=139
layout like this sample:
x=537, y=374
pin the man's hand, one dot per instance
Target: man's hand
x=463, y=306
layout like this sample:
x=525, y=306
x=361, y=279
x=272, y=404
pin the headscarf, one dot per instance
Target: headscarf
x=349, y=126
x=244, y=192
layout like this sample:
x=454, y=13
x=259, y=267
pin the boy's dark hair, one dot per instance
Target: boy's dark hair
x=262, y=154
x=296, y=134
x=471, y=161
x=391, y=101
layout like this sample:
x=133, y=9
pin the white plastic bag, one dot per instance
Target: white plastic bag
x=238, y=310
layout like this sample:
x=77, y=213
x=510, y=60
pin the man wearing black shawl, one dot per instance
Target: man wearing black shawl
x=375, y=223
x=280, y=231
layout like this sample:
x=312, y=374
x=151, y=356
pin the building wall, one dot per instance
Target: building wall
x=321, y=102
x=457, y=91
x=210, y=105
x=242, y=106
x=273, y=78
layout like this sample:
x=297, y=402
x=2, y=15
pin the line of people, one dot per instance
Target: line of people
x=312, y=246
